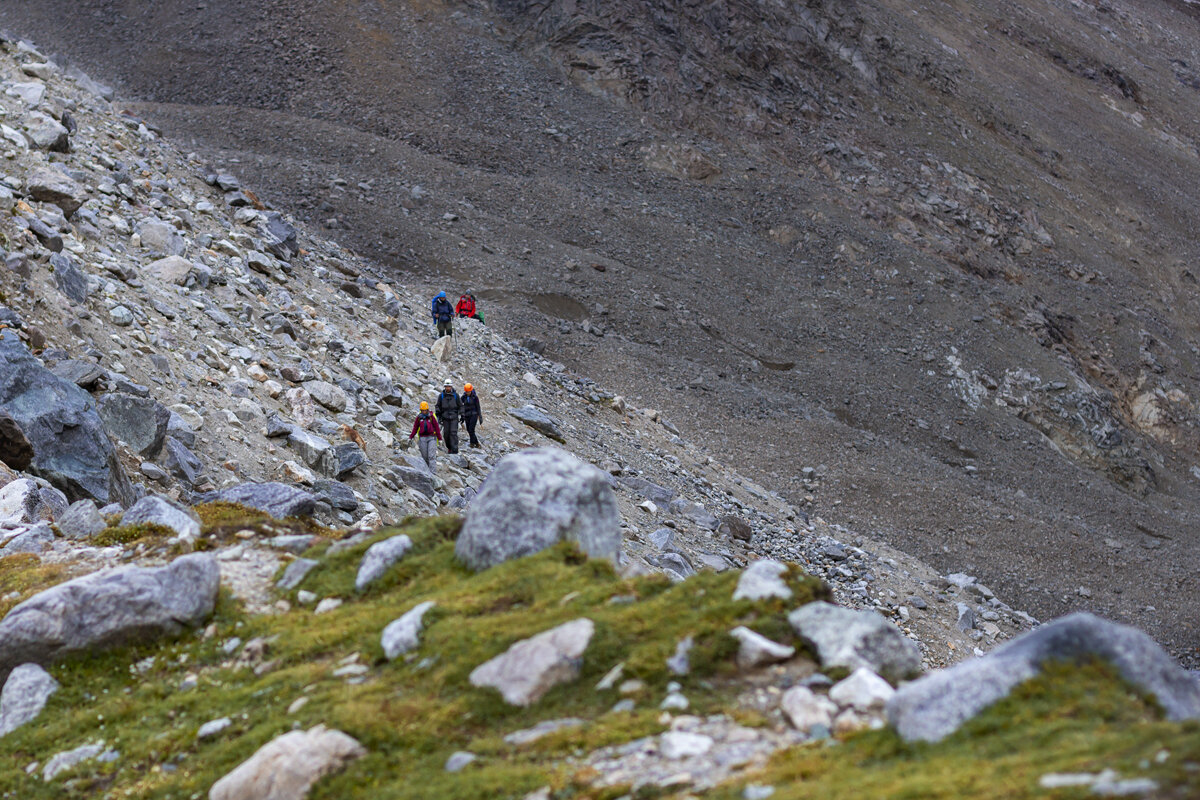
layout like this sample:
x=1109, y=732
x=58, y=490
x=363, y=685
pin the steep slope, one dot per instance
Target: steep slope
x=938, y=254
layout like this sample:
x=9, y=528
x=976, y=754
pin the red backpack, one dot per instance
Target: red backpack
x=466, y=306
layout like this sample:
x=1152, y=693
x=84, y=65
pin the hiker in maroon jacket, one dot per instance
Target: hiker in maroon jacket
x=431, y=433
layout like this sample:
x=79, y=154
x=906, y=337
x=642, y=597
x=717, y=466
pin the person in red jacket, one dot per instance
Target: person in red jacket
x=430, y=434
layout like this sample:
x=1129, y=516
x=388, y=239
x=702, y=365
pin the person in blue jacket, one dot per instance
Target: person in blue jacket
x=443, y=315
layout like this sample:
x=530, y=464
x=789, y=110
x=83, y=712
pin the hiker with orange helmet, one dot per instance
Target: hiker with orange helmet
x=426, y=425
x=470, y=412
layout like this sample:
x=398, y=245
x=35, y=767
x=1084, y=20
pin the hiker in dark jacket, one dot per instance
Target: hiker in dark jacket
x=448, y=408
x=443, y=315
x=470, y=412
x=427, y=426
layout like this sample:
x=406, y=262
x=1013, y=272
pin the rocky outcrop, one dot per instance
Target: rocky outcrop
x=71, y=449
x=935, y=706
x=536, y=498
x=277, y=499
x=106, y=609
x=287, y=767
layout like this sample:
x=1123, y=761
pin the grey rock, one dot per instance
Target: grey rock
x=761, y=580
x=525, y=672
x=403, y=634
x=379, y=558
x=295, y=573
x=49, y=238
x=182, y=462
x=25, y=694
x=327, y=394
x=160, y=238
x=336, y=494
x=287, y=767
x=82, y=520
x=277, y=426
x=679, y=663
x=34, y=539
x=533, y=499
x=459, y=760
x=156, y=510
x=415, y=478
x=347, y=457
x=650, y=491
x=140, y=422
x=539, y=420
x=936, y=705
x=677, y=563
x=292, y=543
x=312, y=449
x=966, y=617
x=109, y=608
x=213, y=727
x=121, y=316
x=45, y=133
x=69, y=279
x=279, y=237
x=663, y=538
x=49, y=185
x=541, y=730
x=61, y=762
x=15, y=450
x=84, y=374
x=756, y=650
x=277, y=499
x=23, y=502
x=843, y=637
x=60, y=421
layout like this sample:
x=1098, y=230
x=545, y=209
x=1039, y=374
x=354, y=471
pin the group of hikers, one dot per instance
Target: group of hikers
x=441, y=424
x=444, y=313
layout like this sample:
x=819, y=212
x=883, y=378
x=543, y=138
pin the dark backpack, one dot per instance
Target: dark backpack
x=443, y=310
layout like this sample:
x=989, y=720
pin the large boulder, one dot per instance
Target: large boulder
x=25, y=694
x=59, y=420
x=286, y=767
x=526, y=671
x=277, y=499
x=936, y=705
x=140, y=422
x=535, y=498
x=107, y=609
x=849, y=639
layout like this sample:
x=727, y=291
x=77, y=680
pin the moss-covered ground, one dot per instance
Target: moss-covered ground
x=411, y=714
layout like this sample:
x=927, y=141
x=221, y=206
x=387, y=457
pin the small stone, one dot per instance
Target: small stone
x=403, y=634
x=328, y=604
x=806, y=709
x=459, y=760
x=211, y=729
x=762, y=580
x=379, y=558
x=676, y=745
x=863, y=690
x=756, y=650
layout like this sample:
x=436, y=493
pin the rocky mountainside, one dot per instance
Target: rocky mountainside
x=224, y=571
x=923, y=269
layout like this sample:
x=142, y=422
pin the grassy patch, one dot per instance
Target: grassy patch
x=1073, y=718
x=412, y=713
x=22, y=575
x=126, y=535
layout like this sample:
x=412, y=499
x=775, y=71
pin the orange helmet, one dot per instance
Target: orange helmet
x=424, y=406
x=468, y=387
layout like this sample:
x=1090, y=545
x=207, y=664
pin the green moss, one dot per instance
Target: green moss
x=1073, y=718
x=126, y=535
x=220, y=519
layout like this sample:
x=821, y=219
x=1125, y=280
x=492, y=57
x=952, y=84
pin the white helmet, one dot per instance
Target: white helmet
x=448, y=382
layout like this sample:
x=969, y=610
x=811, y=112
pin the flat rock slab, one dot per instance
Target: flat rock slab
x=540, y=421
x=71, y=449
x=25, y=694
x=843, y=637
x=535, y=498
x=525, y=672
x=277, y=499
x=935, y=706
x=287, y=767
x=109, y=608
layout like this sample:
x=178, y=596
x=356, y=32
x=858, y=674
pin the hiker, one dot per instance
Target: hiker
x=467, y=308
x=448, y=407
x=471, y=413
x=430, y=433
x=443, y=315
